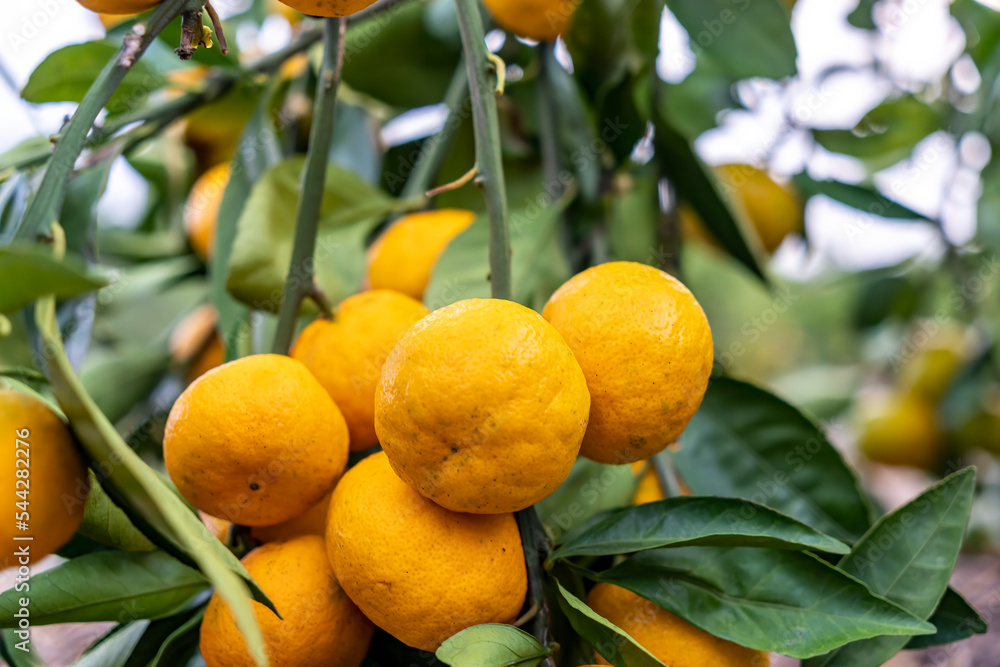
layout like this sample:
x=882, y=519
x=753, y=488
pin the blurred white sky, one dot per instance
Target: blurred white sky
x=921, y=45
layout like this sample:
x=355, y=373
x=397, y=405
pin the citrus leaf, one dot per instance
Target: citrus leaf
x=860, y=197
x=114, y=649
x=789, y=602
x=610, y=641
x=491, y=645
x=696, y=521
x=138, y=489
x=955, y=620
x=14, y=656
x=106, y=523
x=28, y=272
x=886, y=134
x=119, y=378
x=106, y=586
x=179, y=643
x=745, y=442
x=908, y=557
x=744, y=39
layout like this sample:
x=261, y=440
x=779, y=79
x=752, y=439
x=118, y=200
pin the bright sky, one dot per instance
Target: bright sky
x=923, y=42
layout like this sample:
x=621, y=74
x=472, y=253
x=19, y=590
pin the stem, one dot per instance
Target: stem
x=486, y=129
x=666, y=474
x=433, y=149
x=535, y=542
x=300, y=271
x=44, y=208
x=547, y=121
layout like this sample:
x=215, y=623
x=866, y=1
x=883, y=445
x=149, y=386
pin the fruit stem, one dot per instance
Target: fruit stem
x=535, y=542
x=300, y=272
x=486, y=130
x=44, y=208
x=666, y=474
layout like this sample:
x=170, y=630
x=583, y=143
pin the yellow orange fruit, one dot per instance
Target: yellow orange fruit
x=310, y=522
x=320, y=626
x=931, y=358
x=42, y=469
x=118, y=6
x=328, y=8
x=542, y=20
x=346, y=353
x=256, y=441
x=645, y=347
x=901, y=429
x=648, y=490
x=201, y=212
x=403, y=257
x=481, y=407
x=195, y=343
x=774, y=210
x=111, y=20
x=670, y=638
x=419, y=571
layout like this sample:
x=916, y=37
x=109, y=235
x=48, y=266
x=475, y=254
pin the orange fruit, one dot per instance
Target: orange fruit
x=310, y=522
x=46, y=474
x=403, y=257
x=111, y=20
x=481, y=407
x=201, y=212
x=195, y=343
x=321, y=627
x=346, y=353
x=328, y=8
x=668, y=637
x=118, y=6
x=645, y=347
x=419, y=571
x=541, y=20
x=901, y=429
x=256, y=441
x=774, y=210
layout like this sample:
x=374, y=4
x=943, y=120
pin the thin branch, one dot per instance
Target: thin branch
x=44, y=208
x=300, y=271
x=536, y=550
x=486, y=129
x=464, y=179
x=217, y=24
x=666, y=475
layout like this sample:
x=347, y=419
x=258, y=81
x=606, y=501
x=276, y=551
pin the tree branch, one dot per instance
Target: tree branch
x=300, y=272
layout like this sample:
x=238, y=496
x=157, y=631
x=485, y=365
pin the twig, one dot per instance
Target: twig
x=666, y=475
x=536, y=550
x=486, y=129
x=528, y=615
x=191, y=34
x=300, y=271
x=464, y=179
x=44, y=208
x=217, y=24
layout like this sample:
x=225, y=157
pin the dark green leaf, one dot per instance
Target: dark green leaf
x=119, y=378
x=610, y=641
x=105, y=522
x=491, y=645
x=908, y=557
x=694, y=104
x=696, y=521
x=28, y=272
x=861, y=197
x=117, y=586
x=574, y=129
x=789, y=602
x=115, y=648
x=861, y=17
x=747, y=443
x=180, y=642
x=886, y=134
x=955, y=620
x=633, y=220
x=744, y=39
x=697, y=186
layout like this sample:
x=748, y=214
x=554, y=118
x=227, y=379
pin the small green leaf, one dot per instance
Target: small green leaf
x=492, y=645
x=106, y=523
x=117, y=586
x=179, y=643
x=745, y=442
x=114, y=649
x=610, y=641
x=861, y=197
x=696, y=521
x=28, y=272
x=789, y=602
x=955, y=620
x=908, y=557
x=886, y=134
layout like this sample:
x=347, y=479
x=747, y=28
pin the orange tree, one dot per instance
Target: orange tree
x=246, y=514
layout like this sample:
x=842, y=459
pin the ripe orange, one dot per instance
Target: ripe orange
x=542, y=20
x=118, y=6
x=419, y=571
x=346, y=353
x=256, y=441
x=403, y=257
x=46, y=475
x=201, y=212
x=668, y=637
x=774, y=210
x=481, y=407
x=321, y=626
x=328, y=7
x=195, y=343
x=901, y=429
x=310, y=522
x=645, y=347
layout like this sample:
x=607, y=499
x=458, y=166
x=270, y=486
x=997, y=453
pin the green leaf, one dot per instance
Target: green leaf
x=14, y=656
x=696, y=521
x=861, y=197
x=119, y=378
x=262, y=249
x=140, y=491
x=181, y=641
x=633, y=219
x=29, y=271
x=105, y=522
x=693, y=105
x=744, y=39
x=908, y=557
x=610, y=641
x=590, y=488
x=789, y=602
x=955, y=620
x=745, y=442
x=115, y=648
x=117, y=586
x=492, y=645
x=697, y=186
x=861, y=16
x=66, y=75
